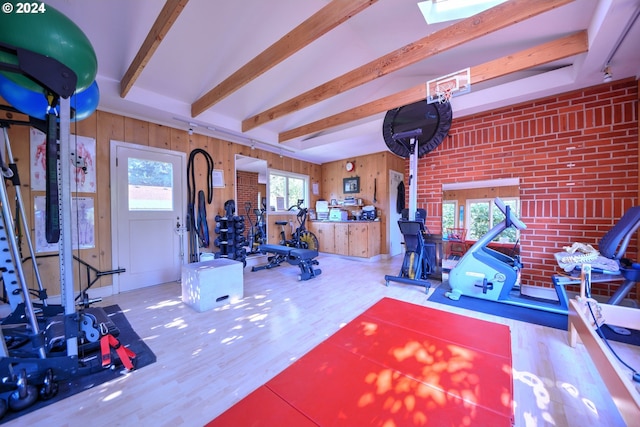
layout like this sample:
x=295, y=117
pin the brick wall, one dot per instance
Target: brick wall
x=247, y=189
x=575, y=154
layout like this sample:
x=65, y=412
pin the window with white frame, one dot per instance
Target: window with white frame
x=483, y=215
x=286, y=188
x=449, y=208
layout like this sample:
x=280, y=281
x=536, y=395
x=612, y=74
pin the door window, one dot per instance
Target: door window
x=150, y=185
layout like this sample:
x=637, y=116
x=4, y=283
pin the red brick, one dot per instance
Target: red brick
x=595, y=129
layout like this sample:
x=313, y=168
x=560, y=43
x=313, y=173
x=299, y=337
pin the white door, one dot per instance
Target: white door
x=147, y=204
x=395, y=237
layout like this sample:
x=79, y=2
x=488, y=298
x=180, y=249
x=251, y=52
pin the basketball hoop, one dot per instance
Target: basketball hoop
x=442, y=89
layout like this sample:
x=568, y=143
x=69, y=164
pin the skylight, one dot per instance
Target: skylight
x=435, y=11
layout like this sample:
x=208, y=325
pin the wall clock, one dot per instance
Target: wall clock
x=350, y=166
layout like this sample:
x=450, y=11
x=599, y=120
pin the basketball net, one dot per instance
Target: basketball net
x=444, y=91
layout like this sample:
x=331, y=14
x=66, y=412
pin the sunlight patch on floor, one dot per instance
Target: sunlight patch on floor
x=541, y=394
x=164, y=304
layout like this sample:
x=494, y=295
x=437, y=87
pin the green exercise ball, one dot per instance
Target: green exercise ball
x=50, y=33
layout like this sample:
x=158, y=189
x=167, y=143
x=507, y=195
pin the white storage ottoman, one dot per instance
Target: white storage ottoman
x=210, y=284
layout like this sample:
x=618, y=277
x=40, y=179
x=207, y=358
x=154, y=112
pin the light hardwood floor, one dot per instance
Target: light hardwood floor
x=208, y=361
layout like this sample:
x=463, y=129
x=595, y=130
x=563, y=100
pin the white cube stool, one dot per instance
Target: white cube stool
x=209, y=284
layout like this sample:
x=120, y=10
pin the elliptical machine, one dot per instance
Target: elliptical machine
x=256, y=233
x=485, y=273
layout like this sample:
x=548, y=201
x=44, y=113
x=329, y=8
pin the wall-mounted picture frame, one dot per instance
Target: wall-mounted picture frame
x=351, y=185
x=217, y=178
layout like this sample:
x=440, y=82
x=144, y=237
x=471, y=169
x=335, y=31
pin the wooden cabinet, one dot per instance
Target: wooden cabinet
x=325, y=234
x=341, y=238
x=357, y=239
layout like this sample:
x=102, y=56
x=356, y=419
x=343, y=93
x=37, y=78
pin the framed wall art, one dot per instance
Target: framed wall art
x=351, y=185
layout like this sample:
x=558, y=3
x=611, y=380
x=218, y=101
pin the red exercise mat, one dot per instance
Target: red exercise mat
x=262, y=408
x=397, y=364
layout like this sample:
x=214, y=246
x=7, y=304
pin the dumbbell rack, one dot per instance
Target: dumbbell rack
x=230, y=238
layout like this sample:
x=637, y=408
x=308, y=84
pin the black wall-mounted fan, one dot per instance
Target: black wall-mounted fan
x=433, y=119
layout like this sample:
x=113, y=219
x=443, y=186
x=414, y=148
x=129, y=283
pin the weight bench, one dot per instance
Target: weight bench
x=303, y=258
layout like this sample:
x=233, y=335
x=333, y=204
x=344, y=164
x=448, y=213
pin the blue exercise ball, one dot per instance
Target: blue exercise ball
x=26, y=101
x=85, y=102
x=34, y=103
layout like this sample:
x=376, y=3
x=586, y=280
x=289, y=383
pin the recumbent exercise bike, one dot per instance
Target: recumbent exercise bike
x=488, y=274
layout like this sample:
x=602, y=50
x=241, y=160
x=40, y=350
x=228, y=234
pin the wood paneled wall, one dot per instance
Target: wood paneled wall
x=104, y=127
x=373, y=171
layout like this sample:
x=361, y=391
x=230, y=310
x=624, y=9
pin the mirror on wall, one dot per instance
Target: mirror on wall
x=468, y=212
x=251, y=196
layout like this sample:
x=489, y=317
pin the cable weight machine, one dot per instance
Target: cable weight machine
x=29, y=364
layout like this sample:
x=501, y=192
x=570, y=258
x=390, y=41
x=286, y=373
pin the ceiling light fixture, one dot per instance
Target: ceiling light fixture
x=606, y=70
x=236, y=137
x=251, y=142
x=607, y=76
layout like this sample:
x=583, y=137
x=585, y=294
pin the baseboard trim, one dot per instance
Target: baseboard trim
x=94, y=293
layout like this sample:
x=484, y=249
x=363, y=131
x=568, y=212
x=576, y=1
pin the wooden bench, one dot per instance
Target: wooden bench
x=616, y=378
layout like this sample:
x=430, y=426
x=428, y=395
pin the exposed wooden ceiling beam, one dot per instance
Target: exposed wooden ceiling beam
x=479, y=25
x=327, y=18
x=548, y=52
x=160, y=28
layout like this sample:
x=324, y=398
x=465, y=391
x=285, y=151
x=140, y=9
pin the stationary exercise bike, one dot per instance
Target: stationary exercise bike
x=301, y=238
x=485, y=273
